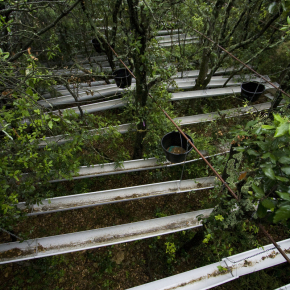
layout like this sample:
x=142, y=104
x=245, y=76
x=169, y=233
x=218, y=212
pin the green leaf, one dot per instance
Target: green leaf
x=278, y=118
x=271, y=156
x=258, y=131
x=264, y=146
x=281, y=178
x=261, y=211
x=239, y=149
x=219, y=217
x=50, y=124
x=252, y=152
x=283, y=5
x=282, y=129
x=284, y=160
x=269, y=172
x=259, y=191
x=286, y=170
x=288, y=20
x=268, y=203
x=250, y=124
x=283, y=213
x=284, y=195
x=268, y=127
x=272, y=7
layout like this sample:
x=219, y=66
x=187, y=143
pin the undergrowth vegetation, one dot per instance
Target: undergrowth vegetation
x=45, y=45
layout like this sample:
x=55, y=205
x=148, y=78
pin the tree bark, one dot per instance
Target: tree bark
x=140, y=28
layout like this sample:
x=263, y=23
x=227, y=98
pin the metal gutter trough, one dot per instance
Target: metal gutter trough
x=235, y=112
x=61, y=244
x=118, y=103
x=187, y=120
x=118, y=195
x=176, y=42
x=233, y=267
x=129, y=166
x=214, y=92
x=61, y=90
x=94, y=92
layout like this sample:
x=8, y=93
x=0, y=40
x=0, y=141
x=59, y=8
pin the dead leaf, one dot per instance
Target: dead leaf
x=242, y=175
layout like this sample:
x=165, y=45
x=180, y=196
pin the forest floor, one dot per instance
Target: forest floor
x=134, y=263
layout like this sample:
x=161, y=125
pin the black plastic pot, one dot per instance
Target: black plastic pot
x=123, y=78
x=97, y=45
x=251, y=91
x=174, y=140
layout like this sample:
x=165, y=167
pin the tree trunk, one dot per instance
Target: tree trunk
x=141, y=97
x=140, y=25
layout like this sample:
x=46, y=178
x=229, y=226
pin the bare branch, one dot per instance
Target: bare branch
x=28, y=44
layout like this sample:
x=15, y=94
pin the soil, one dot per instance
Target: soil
x=129, y=264
x=176, y=150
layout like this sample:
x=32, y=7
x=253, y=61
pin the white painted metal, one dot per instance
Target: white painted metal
x=60, y=139
x=184, y=74
x=172, y=39
x=82, y=95
x=96, y=107
x=187, y=120
x=214, y=92
x=94, y=92
x=226, y=113
x=209, y=276
x=61, y=244
x=118, y=103
x=182, y=42
x=128, y=166
x=61, y=88
x=169, y=31
x=89, y=199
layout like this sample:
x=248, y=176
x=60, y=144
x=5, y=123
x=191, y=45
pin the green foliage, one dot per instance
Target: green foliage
x=267, y=169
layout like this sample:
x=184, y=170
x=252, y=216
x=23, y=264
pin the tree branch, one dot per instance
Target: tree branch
x=63, y=14
x=255, y=37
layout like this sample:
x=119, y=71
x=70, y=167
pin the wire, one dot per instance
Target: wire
x=234, y=57
x=199, y=153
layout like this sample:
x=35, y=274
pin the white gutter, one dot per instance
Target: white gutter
x=187, y=120
x=128, y=166
x=61, y=244
x=94, y=92
x=184, y=74
x=209, y=276
x=118, y=103
x=77, y=201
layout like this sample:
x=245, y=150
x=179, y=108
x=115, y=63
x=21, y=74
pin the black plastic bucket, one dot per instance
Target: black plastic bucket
x=172, y=141
x=97, y=45
x=123, y=78
x=251, y=91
